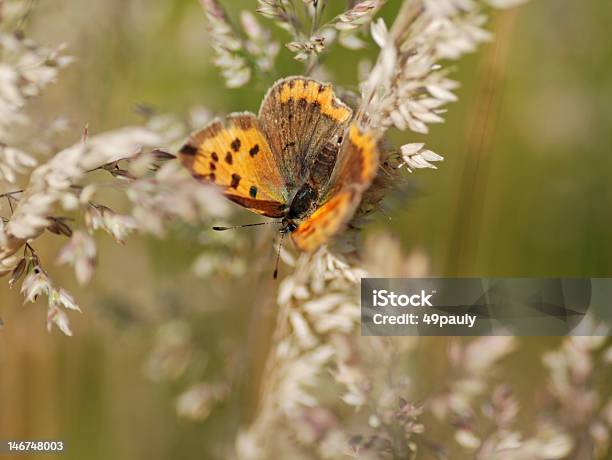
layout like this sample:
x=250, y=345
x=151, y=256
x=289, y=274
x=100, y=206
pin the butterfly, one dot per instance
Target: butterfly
x=301, y=160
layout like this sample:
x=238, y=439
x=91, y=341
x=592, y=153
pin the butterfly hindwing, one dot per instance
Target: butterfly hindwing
x=300, y=116
x=327, y=220
x=355, y=170
x=236, y=156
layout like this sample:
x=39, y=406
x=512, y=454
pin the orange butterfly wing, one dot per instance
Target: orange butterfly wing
x=354, y=172
x=235, y=155
x=299, y=116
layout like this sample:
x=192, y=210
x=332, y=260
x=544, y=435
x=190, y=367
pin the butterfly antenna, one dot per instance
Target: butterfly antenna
x=220, y=229
x=280, y=246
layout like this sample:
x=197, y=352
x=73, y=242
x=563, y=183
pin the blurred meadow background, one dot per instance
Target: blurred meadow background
x=524, y=190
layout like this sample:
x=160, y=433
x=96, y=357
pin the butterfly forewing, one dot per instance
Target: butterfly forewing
x=235, y=155
x=357, y=161
x=300, y=116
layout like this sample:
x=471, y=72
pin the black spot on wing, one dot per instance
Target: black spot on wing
x=228, y=158
x=235, y=180
x=254, y=150
x=253, y=191
x=235, y=145
x=214, y=156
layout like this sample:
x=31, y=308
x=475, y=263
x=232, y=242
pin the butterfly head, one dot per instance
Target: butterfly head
x=288, y=225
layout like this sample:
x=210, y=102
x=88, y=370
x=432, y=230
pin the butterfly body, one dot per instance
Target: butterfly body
x=300, y=160
x=303, y=202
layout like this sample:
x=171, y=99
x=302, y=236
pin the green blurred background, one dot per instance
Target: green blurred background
x=525, y=190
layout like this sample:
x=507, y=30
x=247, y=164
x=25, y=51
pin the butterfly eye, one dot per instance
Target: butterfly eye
x=291, y=226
